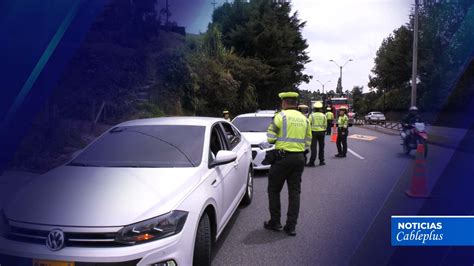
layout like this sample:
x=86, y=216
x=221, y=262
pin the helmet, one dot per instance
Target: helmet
x=329, y=108
x=413, y=109
x=343, y=108
x=318, y=105
x=225, y=112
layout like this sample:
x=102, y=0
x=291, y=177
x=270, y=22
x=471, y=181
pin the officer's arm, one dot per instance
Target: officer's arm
x=274, y=128
x=325, y=122
x=308, y=136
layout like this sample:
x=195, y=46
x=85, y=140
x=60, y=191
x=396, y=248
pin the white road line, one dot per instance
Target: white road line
x=355, y=154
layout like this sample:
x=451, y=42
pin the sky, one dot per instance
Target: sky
x=347, y=29
x=335, y=29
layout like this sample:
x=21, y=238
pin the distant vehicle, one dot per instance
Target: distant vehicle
x=147, y=192
x=375, y=117
x=339, y=102
x=254, y=128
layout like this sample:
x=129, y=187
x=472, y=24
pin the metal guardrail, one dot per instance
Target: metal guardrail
x=386, y=124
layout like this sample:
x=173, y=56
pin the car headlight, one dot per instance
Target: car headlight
x=156, y=228
x=265, y=145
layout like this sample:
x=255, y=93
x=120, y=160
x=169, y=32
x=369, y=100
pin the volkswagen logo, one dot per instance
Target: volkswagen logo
x=55, y=240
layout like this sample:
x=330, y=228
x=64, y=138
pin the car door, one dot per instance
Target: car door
x=238, y=180
x=222, y=172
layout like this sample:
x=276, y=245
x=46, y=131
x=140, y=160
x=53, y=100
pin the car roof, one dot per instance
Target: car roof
x=174, y=120
x=257, y=114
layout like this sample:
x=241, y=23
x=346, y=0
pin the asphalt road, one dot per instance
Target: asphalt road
x=339, y=203
x=346, y=207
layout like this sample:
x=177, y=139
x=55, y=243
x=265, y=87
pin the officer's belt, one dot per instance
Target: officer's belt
x=289, y=152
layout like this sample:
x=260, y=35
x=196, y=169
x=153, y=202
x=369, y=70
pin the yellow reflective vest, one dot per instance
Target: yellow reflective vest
x=343, y=121
x=290, y=131
x=329, y=116
x=318, y=121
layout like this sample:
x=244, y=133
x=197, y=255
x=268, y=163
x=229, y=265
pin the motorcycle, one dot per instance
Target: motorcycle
x=415, y=136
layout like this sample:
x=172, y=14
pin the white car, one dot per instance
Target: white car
x=375, y=117
x=254, y=128
x=147, y=192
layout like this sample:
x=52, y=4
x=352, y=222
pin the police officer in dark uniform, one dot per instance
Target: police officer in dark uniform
x=291, y=133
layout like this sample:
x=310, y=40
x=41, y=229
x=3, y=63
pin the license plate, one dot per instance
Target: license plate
x=51, y=263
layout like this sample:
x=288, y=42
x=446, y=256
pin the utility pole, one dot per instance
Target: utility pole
x=415, y=56
x=214, y=3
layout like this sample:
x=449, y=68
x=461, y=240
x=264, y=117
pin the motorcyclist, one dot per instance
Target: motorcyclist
x=409, y=120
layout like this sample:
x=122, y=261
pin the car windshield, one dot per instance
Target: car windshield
x=252, y=124
x=145, y=146
x=377, y=113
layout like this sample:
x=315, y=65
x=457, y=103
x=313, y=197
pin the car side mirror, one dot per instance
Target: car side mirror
x=223, y=157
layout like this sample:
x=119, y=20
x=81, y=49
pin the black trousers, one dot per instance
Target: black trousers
x=328, y=131
x=317, y=140
x=290, y=169
x=341, y=141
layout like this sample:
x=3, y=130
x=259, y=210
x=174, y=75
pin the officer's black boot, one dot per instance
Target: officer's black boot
x=269, y=225
x=289, y=230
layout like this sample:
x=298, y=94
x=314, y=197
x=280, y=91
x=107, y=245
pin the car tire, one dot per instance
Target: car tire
x=247, y=199
x=203, y=242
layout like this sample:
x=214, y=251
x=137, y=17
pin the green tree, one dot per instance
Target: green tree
x=269, y=32
x=392, y=68
x=358, y=98
x=445, y=47
x=222, y=79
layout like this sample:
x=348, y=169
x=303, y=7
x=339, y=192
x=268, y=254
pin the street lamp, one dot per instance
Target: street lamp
x=323, y=84
x=340, y=69
x=415, y=56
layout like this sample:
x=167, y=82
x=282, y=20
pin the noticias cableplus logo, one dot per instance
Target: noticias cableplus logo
x=432, y=230
x=415, y=231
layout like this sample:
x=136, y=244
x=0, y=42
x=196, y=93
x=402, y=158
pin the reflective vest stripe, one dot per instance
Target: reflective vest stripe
x=284, y=125
x=284, y=135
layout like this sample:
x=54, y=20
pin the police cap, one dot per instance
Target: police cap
x=288, y=94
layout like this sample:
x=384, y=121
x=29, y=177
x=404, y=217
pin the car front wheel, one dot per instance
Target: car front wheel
x=247, y=199
x=202, y=244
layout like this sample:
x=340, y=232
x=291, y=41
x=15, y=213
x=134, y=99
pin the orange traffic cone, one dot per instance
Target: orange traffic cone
x=334, y=134
x=419, y=187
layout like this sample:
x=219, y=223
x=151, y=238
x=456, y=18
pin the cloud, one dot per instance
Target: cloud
x=343, y=29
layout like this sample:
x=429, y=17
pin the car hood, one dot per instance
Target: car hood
x=255, y=137
x=99, y=196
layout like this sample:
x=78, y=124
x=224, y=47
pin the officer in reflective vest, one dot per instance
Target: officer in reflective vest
x=318, y=124
x=291, y=133
x=330, y=118
x=342, y=132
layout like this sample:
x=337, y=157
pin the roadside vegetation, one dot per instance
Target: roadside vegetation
x=445, y=84
x=133, y=64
